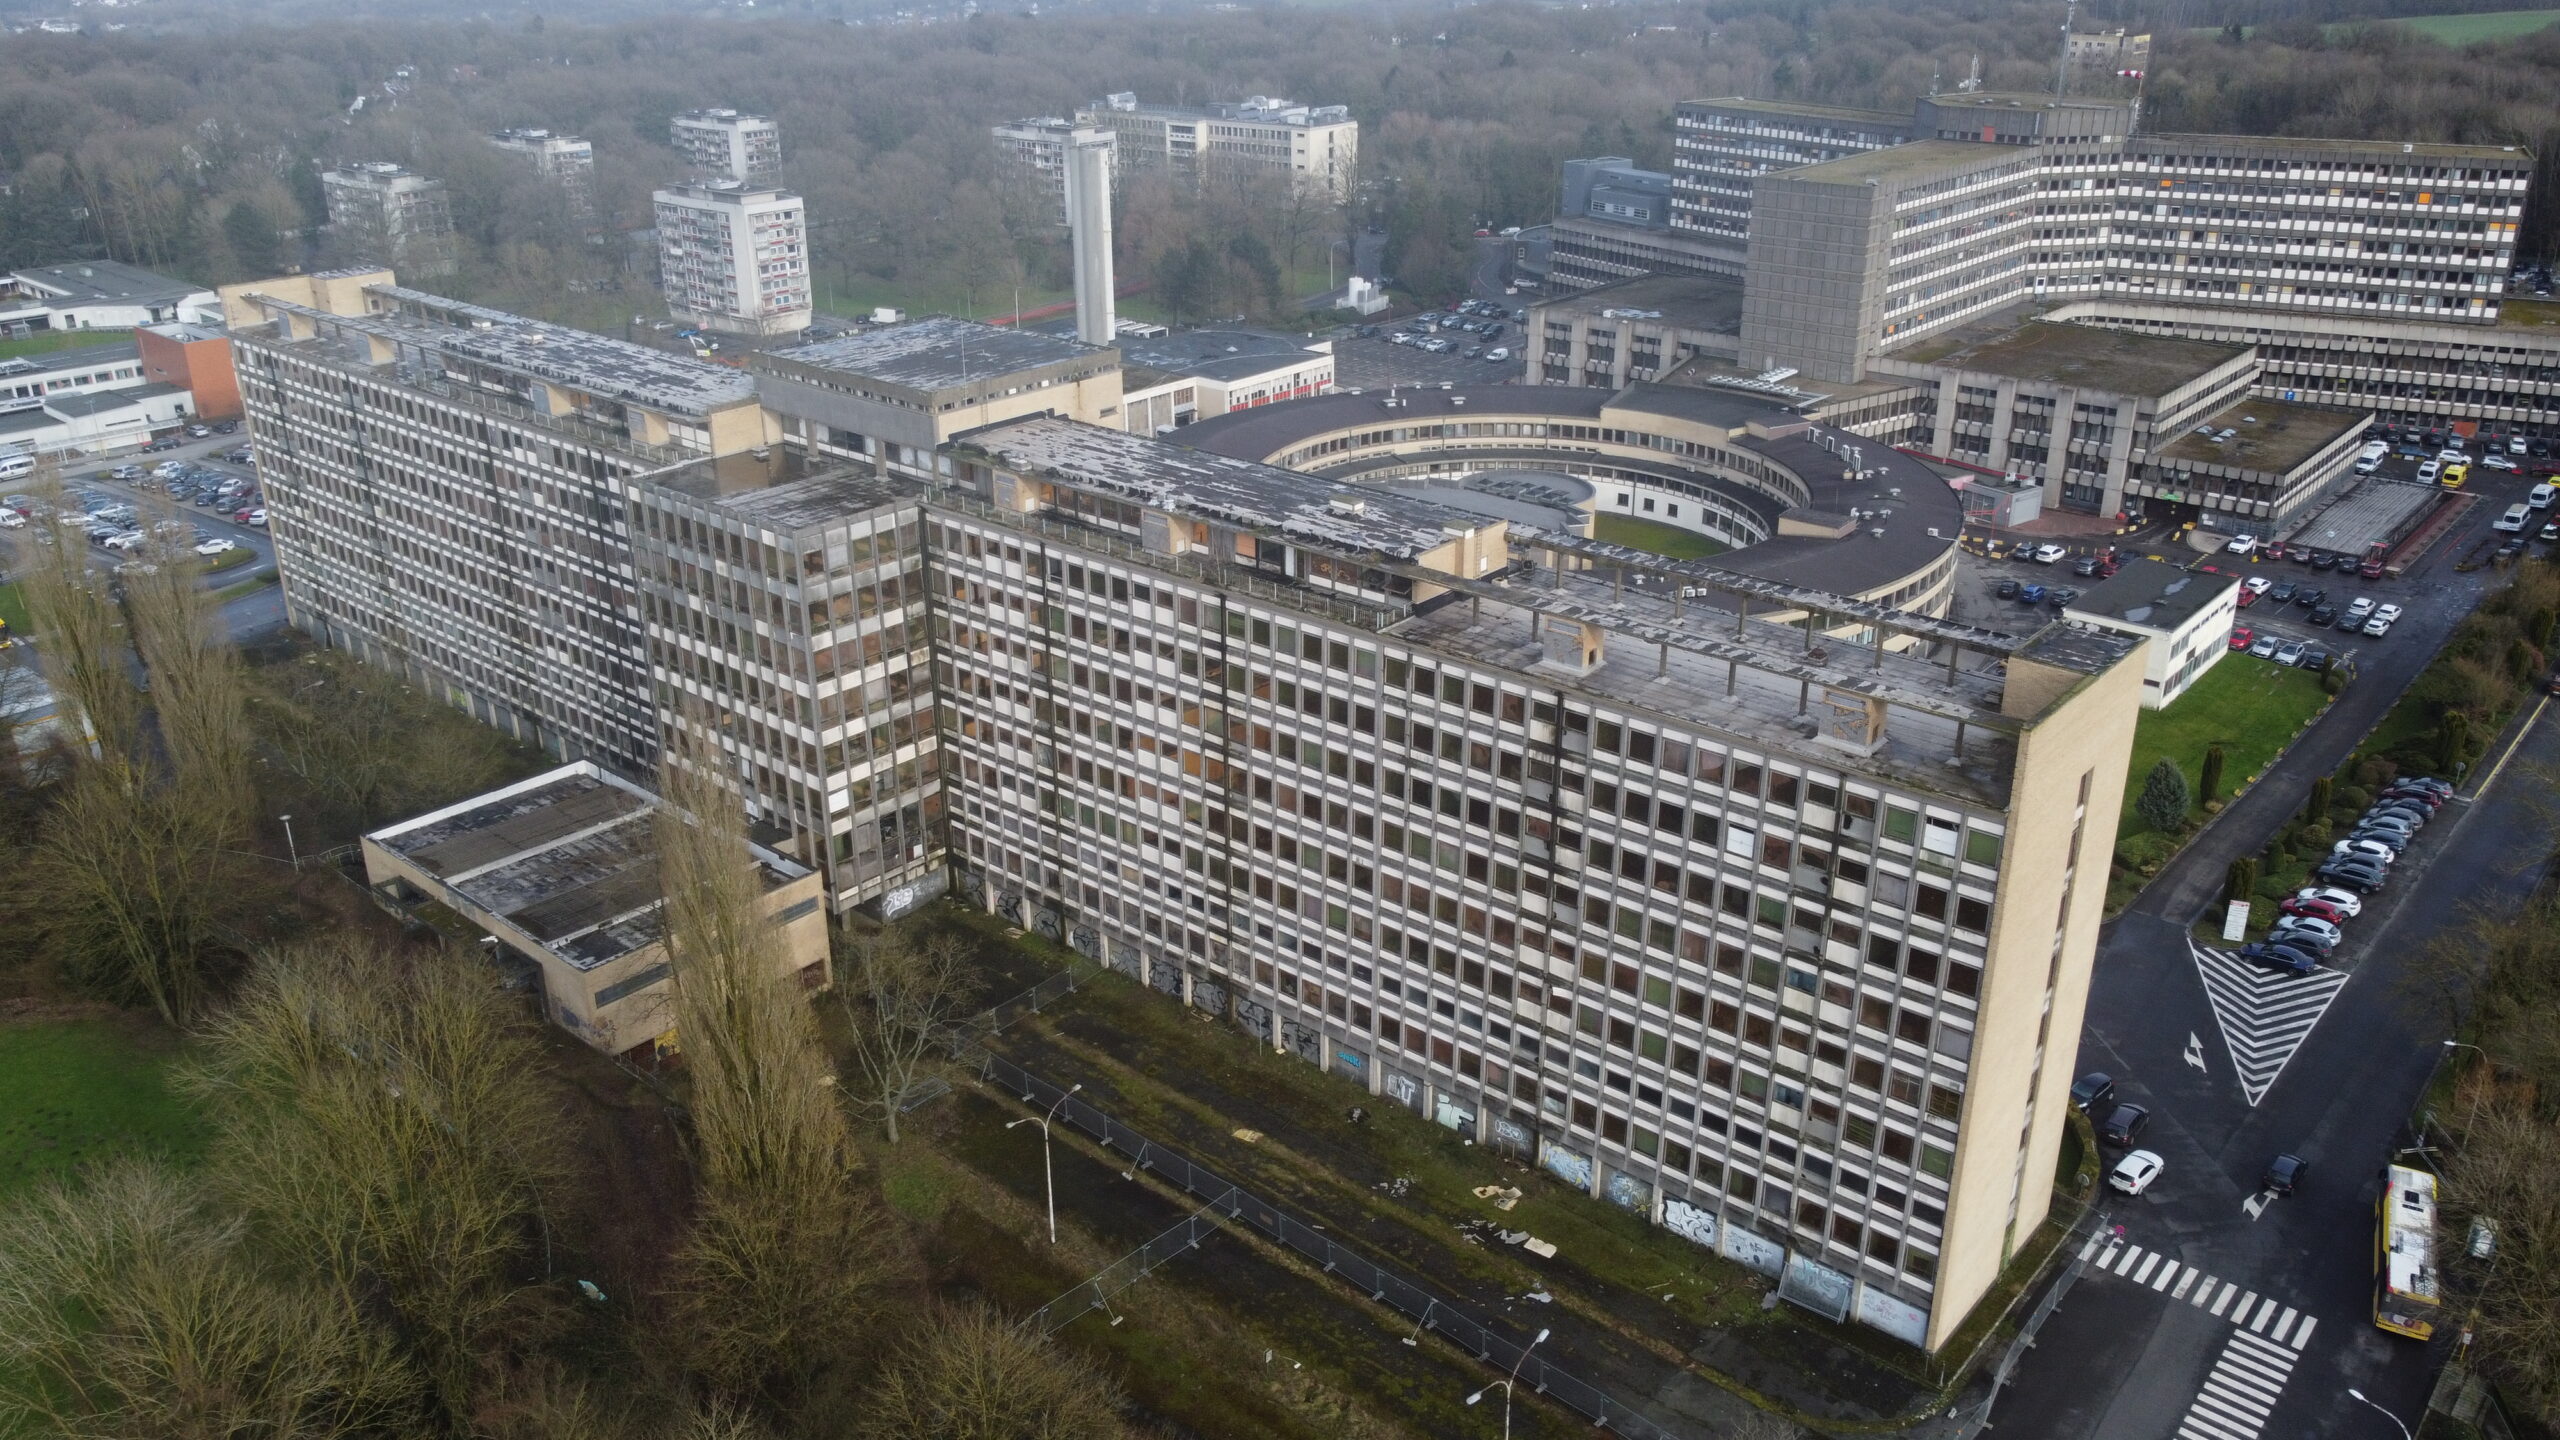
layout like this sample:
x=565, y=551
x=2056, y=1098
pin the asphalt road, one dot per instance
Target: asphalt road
x=2123, y=1360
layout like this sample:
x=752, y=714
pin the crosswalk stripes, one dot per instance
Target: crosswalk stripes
x=2256, y=1314
x=2265, y=1014
x=2241, y=1390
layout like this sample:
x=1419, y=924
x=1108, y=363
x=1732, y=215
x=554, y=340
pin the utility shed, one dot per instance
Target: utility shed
x=2187, y=616
x=560, y=871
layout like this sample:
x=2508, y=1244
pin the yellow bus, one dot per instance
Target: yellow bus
x=2405, y=1288
x=2454, y=474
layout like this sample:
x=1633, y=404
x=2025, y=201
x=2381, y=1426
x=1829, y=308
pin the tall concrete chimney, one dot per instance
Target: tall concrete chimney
x=1089, y=219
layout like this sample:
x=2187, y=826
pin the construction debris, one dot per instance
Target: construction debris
x=1502, y=1196
x=1250, y=1137
x=1539, y=1248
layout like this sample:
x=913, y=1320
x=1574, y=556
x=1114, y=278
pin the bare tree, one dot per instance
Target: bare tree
x=198, y=691
x=777, y=1281
x=382, y=1120
x=132, y=887
x=903, y=1002
x=971, y=1375
x=75, y=618
x=130, y=1309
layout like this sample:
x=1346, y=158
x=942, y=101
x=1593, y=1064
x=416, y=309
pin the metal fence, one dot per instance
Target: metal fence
x=1385, y=1286
x=1096, y=1292
x=972, y=1034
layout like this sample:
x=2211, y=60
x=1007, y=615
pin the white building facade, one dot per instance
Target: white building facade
x=734, y=256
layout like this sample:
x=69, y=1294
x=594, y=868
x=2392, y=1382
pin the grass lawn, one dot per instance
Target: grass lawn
x=2248, y=706
x=2472, y=29
x=1669, y=541
x=13, y=607
x=250, y=586
x=79, y=1090
x=45, y=342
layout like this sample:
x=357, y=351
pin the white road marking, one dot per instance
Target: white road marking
x=2241, y=1390
x=2302, y=1337
x=2195, y=1051
x=2265, y=1015
x=2256, y=1204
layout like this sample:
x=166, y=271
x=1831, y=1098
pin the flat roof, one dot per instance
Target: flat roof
x=1267, y=430
x=1214, y=354
x=2377, y=512
x=569, y=857
x=1692, y=302
x=2023, y=100
x=2388, y=151
x=185, y=331
x=61, y=360
x=1352, y=519
x=1902, y=159
x=98, y=280
x=2122, y=361
x=2154, y=594
x=2274, y=436
x=784, y=488
x=575, y=359
x=100, y=402
x=939, y=352
x=1810, y=112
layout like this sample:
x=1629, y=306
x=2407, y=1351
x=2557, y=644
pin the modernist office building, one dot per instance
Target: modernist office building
x=1745, y=893
x=722, y=144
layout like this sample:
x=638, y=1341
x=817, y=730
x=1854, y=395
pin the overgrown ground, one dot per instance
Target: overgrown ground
x=13, y=607
x=1635, y=1303
x=1669, y=541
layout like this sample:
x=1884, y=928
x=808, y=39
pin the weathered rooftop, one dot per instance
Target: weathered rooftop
x=1788, y=108
x=1710, y=303
x=938, y=353
x=2120, y=361
x=596, y=364
x=2154, y=595
x=1214, y=354
x=2387, y=151
x=782, y=487
x=87, y=357
x=1353, y=519
x=1918, y=157
x=568, y=857
x=92, y=281
x=2273, y=436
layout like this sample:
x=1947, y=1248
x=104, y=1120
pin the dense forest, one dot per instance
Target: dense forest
x=198, y=152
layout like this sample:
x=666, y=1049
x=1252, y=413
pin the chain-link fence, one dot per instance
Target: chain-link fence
x=1385, y=1286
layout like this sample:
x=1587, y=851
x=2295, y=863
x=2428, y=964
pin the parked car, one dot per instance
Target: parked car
x=2047, y=554
x=2241, y=545
x=2315, y=909
x=2353, y=875
x=2124, y=1124
x=2285, y=1174
x=2260, y=585
x=2291, y=654
x=2031, y=594
x=2323, y=616
x=2289, y=958
x=215, y=546
x=2309, y=598
x=2246, y=598
x=2283, y=594
x=2135, y=1172
x=2087, y=567
x=2061, y=595
x=2243, y=637
x=2324, y=931
x=2006, y=590
x=2266, y=646
x=2376, y=849
x=2377, y=627
x=2093, y=1092
x=2387, y=613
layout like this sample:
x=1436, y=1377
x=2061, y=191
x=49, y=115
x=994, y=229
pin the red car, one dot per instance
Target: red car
x=2247, y=598
x=2316, y=909
x=2243, y=637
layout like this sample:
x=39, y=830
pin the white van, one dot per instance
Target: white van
x=2370, y=458
x=2542, y=496
x=2428, y=472
x=2513, y=521
x=13, y=466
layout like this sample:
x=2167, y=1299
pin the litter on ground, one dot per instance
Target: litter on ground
x=1539, y=1248
x=1250, y=1137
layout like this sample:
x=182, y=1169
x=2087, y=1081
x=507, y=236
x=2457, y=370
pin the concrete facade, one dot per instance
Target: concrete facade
x=385, y=215
x=1314, y=146
x=1035, y=153
x=2186, y=616
x=723, y=144
x=196, y=359
x=734, y=257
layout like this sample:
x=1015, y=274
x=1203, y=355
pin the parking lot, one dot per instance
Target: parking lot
x=88, y=485
x=1376, y=361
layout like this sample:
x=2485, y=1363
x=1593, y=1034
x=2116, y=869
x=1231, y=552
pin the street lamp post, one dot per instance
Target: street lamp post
x=288, y=841
x=1048, y=1175
x=1506, y=1382
x=2376, y=1404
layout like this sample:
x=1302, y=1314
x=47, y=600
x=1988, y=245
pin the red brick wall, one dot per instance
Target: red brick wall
x=202, y=367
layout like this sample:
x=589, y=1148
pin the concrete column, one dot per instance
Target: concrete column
x=1088, y=182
